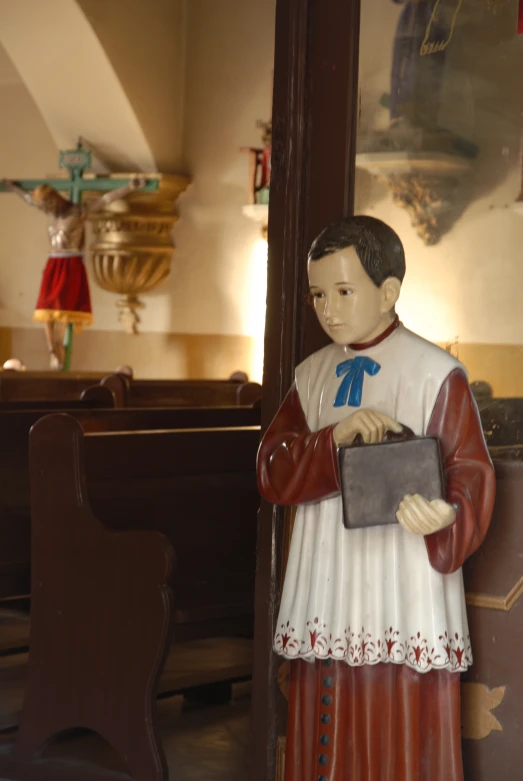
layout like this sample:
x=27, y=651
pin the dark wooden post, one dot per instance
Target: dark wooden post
x=312, y=184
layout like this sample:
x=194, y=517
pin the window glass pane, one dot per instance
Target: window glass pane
x=439, y=159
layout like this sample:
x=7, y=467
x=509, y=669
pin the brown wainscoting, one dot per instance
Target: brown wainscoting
x=501, y=365
x=158, y=355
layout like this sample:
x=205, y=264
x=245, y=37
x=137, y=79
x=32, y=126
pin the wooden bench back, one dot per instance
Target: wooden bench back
x=60, y=388
x=14, y=468
x=132, y=533
x=93, y=397
x=196, y=486
x=182, y=393
x=49, y=386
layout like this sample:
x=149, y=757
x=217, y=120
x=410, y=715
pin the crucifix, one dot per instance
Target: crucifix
x=64, y=302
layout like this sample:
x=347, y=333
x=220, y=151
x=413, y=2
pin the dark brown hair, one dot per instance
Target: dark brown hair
x=378, y=247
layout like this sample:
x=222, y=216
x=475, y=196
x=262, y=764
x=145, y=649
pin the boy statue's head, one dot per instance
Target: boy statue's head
x=356, y=267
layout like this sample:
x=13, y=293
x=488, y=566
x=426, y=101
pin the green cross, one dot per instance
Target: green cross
x=77, y=161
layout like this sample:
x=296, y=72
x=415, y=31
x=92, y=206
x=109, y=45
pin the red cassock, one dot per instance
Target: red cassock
x=64, y=292
x=385, y=722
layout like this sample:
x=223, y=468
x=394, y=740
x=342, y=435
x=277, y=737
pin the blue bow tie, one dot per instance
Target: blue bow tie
x=351, y=387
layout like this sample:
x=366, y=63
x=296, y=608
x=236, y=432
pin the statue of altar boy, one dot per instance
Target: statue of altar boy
x=373, y=619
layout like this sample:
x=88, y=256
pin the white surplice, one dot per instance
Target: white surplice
x=370, y=595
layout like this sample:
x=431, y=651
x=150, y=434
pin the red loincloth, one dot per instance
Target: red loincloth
x=64, y=292
x=374, y=723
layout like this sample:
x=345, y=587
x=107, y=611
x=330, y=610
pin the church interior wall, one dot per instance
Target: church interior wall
x=464, y=291
x=197, y=100
x=198, y=75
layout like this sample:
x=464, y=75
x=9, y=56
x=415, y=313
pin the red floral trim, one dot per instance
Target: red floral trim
x=360, y=648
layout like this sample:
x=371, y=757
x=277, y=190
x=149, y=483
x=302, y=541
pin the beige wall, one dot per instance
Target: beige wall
x=76, y=89
x=159, y=355
x=145, y=42
x=208, y=316
x=26, y=147
x=230, y=52
x=467, y=288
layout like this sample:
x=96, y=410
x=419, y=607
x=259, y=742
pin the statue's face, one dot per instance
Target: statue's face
x=350, y=307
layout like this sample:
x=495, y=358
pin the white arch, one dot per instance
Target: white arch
x=67, y=72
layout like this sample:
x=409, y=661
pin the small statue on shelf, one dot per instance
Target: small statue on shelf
x=373, y=620
x=64, y=292
x=260, y=170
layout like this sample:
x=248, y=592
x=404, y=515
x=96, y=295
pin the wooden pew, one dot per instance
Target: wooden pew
x=14, y=468
x=16, y=419
x=93, y=397
x=106, y=509
x=62, y=388
x=182, y=393
x=39, y=386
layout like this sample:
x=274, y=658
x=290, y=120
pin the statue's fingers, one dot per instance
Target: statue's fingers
x=379, y=425
x=419, y=501
x=446, y=512
x=417, y=519
x=425, y=508
x=374, y=433
x=390, y=423
x=427, y=520
x=363, y=428
x=419, y=510
x=404, y=519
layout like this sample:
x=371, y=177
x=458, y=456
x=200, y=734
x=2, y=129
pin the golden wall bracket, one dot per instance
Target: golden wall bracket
x=132, y=245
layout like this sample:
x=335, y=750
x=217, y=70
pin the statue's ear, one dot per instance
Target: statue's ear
x=390, y=292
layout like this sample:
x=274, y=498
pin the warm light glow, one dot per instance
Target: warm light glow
x=255, y=319
x=429, y=313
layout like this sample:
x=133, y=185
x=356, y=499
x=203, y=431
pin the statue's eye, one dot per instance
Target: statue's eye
x=318, y=294
x=345, y=291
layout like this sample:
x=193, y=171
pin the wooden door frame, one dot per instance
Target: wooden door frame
x=312, y=184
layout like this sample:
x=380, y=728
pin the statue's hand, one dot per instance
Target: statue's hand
x=138, y=182
x=419, y=516
x=371, y=425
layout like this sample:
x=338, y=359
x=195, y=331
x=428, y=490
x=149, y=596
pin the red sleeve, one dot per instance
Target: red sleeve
x=294, y=465
x=470, y=476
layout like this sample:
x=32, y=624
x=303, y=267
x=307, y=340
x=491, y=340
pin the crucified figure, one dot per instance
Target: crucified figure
x=64, y=291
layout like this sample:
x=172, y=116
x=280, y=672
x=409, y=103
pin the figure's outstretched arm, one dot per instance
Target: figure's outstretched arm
x=138, y=183
x=12, y=187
